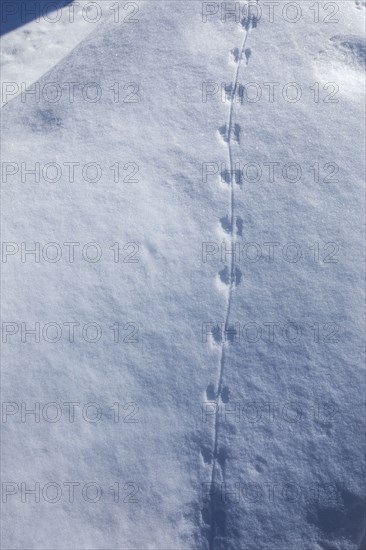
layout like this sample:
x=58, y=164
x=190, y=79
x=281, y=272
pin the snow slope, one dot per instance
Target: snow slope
x=249, y=438
x=29, y=51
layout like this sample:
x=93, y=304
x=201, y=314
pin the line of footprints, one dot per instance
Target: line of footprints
x=230, y=134
x=213, y=513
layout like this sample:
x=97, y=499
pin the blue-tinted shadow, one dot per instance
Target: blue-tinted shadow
x=15, y=13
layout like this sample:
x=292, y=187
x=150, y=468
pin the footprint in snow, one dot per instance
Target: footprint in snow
x=225, y=224
x=235, y=54
x=360, y=4
x=225, y=394
x=239, y=226
x=210, y=392
x=227, y=176
x=232, y=133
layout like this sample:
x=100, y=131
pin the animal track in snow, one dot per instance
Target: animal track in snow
x=239, y=226
x=234, y=92
x=260, y=464
x=216, y=334
x=230, y=279
x=206, y=454
x=344, y=50
x=230, y=132
x=225, y=224
x=228, y=176
x=249, y=22
x=221, y=457
x=233, y=176
x=44, y=120
x=214, y=512
x=238, y=276
x=360, y=4
x=210, y=392
x=237, y=130
x=225, y=394
x=235, y=53
x=224, y=133
x=230, y=336
x=351, y=49
x=225, y=276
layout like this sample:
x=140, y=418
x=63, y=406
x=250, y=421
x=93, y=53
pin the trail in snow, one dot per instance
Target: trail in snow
x=218, y=516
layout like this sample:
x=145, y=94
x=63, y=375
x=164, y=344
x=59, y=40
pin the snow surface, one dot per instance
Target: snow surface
x=286, y=470
x=29, y=51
